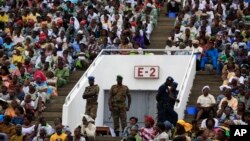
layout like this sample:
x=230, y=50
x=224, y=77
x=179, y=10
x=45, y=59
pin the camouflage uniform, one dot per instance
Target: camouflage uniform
x=91, y=106
x=118, y=103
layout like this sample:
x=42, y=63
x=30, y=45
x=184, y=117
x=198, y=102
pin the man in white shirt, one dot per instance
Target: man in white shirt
x=205, y=102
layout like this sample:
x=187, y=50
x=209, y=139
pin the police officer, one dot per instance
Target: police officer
x=164, y=110
x=91, y=95
x=117, y=104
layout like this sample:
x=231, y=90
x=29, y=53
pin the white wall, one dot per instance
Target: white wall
x=105, y=70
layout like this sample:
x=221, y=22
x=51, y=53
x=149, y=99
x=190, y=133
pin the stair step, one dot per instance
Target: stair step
x=54, y=107
x=58, y=99
x=105, y=138
x=50, y=116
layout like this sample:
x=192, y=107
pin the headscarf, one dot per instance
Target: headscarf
x=205, y=87
x=150, y=120
x=187, y=126
x=224, y=129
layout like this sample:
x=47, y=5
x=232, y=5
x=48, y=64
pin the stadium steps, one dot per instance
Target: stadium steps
x=161, y=31
x=107, y=138
x=54, y=107
x=202, y=79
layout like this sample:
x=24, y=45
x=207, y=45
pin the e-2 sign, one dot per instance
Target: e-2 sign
x=146, y=72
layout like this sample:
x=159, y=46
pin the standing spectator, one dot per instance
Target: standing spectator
x=205, y=103
x=91, y=95
x=117, y=104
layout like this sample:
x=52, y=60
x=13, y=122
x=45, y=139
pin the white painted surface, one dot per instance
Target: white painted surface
x=106, y=68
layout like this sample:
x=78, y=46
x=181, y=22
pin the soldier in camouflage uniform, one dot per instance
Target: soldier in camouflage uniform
x=117, y=104
x=91, y=95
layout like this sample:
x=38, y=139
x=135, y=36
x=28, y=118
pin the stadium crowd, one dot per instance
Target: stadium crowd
x=43, y=41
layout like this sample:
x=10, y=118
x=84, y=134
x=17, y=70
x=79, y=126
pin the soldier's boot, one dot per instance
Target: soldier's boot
x=117, y=133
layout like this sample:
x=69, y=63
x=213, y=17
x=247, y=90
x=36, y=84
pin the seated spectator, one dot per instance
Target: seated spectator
x=134, y=132
x=43, y=124
x=28, y=105
x=182, y=129
x=147, y=132
x=7, y=127
x=221, y=96
x=210, y=57
x=62, y=73
x=88, y=128
x=161, y=134
x=232, y=102
x=210, y=124
x=132, y=122
x=205, y=103
x=18, y=135
x=27, y=126
x=19, y=116
x=58, y=135
x=211, y=115
x=42, y=135
x=222, y=134
x=77, y=134
x=228, y=71
x=241, y=108
x=4, y=94
x=227, y=114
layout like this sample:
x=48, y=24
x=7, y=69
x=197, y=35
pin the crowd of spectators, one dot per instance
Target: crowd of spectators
x=43, y=41
x=218, y=32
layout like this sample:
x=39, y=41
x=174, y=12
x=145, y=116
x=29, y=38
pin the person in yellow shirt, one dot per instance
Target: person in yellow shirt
x=58, y=135
x=17, y=57
x=4, y=17
x=18, y=136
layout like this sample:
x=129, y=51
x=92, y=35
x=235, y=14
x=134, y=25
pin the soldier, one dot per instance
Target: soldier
x=91, y=95
x=117, y=104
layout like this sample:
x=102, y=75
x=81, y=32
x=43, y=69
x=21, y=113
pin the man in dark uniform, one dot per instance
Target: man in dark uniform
x=117, y=104
x=91, y=95
x=165, y=112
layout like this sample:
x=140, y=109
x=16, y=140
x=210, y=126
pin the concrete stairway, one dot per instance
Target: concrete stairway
x=202, y=79
x=54, y=108
x=162, y=31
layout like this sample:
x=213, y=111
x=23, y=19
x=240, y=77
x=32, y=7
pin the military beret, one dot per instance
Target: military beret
x=119, y=77
x=91, y=78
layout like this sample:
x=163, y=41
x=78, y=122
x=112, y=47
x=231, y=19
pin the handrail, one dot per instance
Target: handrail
x=105, y=50
x=184, y=78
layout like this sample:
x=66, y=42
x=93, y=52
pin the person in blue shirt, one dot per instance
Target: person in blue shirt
x=210, y=57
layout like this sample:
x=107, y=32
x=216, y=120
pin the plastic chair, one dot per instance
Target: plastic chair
x=191, y=110
x=172, y=15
